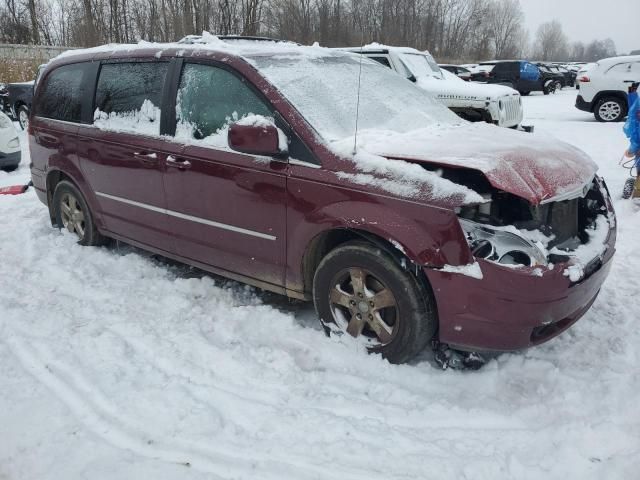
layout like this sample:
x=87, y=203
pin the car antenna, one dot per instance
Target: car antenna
x=355, y=135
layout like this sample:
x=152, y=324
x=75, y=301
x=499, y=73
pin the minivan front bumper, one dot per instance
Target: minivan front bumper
x=513, y=308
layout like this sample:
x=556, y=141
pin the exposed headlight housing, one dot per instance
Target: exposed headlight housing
x=502, y=245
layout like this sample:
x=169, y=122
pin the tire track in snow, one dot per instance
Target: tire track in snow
x=99, y=417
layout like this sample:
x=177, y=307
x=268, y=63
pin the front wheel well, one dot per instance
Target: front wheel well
x=327, y=241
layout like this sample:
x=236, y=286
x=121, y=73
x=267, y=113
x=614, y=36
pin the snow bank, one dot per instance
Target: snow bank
x=145, y=121
x=116, y=365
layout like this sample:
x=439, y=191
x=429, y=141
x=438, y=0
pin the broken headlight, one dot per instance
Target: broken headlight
x=504, y=245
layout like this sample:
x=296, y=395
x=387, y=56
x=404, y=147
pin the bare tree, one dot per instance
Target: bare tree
x=599, y=49
x=505, y=19
x=453, y=30
x=551, y=43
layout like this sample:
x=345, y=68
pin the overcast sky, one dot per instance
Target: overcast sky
x=586, y=20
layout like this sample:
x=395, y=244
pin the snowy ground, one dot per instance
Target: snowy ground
x=116, y=365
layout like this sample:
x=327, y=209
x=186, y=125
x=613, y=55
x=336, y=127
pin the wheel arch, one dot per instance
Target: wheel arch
x=609, y=93
x=329, y=240
x=54, y=176
x=17, y=104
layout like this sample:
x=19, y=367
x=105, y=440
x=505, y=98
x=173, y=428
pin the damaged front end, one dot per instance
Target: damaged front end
x=570, y=229
x=542, y=267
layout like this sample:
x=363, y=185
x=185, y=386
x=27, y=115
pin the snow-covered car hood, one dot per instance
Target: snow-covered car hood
x=535, y=167
x=443, y=88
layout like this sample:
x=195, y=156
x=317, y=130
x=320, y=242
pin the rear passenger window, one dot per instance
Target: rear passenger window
x=129, y=96
x=61, y=97
x=209, y=99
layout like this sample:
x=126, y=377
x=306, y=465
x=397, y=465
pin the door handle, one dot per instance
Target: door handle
x=146, y=157
x=179, y=163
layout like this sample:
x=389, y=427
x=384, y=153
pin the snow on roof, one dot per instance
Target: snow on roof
x=381, y=46
x=208, y=42
x=621, y=59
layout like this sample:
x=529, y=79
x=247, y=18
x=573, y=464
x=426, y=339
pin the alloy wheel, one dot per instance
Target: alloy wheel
x=23, y=119
x=610, y=111
x=364, y=307
x=72, y=215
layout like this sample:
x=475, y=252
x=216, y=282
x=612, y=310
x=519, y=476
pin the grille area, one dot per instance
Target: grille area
x=512, y=109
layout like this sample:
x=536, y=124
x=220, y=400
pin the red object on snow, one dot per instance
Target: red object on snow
x=14, y=190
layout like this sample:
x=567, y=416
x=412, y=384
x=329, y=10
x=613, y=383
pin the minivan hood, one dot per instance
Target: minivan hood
x=535, y=167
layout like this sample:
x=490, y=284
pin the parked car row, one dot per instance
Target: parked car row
x=602, y=86
x=524, y=75
x=321, y=175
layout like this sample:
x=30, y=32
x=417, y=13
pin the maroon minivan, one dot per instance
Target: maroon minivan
x=321, y=175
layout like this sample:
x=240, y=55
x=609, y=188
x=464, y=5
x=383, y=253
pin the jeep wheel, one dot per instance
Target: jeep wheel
x=362, y=291
x=610, y=109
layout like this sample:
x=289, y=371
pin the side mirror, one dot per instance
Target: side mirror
x=257, y=138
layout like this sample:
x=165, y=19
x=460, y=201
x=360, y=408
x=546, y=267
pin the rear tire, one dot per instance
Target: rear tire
x=610, y=109
x=72, y=213
x=362, y=291
x=23, y=116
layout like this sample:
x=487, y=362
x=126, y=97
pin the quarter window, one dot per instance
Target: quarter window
x=129, y=96
x=209, y=99
x=61, y=97
x=382, y=60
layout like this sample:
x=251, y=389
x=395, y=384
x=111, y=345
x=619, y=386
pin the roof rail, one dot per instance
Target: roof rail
x=195, y=39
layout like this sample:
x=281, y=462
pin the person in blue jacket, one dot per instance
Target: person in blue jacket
x=632, y=131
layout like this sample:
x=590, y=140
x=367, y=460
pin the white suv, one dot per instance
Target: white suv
x=603, y=88
x=9, y=144
x=472, y=101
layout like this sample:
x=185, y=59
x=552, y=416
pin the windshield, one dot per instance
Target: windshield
x=421, y=65
x=451, y=77
x=324, y=89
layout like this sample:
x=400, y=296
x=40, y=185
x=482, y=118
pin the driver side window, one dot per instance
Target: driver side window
x=209, y=99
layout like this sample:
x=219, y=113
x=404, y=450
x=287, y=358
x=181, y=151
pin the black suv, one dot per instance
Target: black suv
x=526, y=77
x=519, y=74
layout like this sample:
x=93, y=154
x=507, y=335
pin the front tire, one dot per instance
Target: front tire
x=610, y=109
x=72, y=213
x=362, y=291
